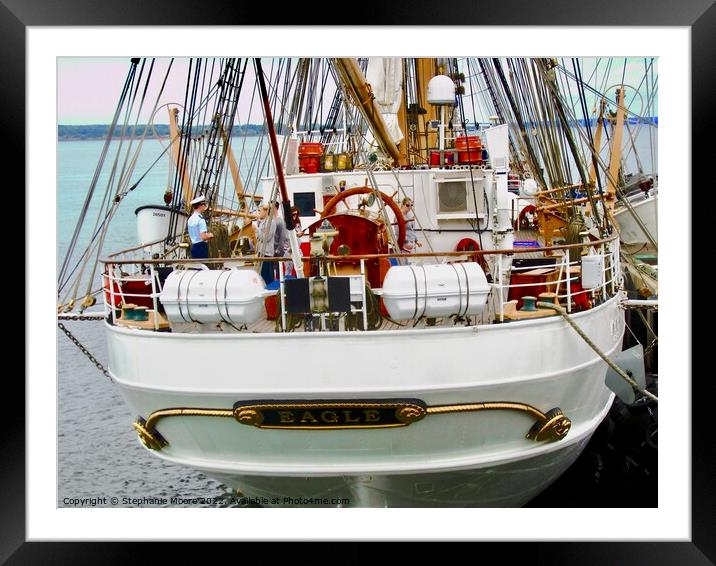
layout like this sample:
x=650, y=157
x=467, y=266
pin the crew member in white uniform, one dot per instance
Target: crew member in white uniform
x=198, y=231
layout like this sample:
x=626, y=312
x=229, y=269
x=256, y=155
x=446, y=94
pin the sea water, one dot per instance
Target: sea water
x=100, y=461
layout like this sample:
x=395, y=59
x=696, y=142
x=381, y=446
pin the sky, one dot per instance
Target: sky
x=88, y=88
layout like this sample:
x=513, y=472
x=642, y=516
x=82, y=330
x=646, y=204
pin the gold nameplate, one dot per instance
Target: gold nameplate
x=330, y=414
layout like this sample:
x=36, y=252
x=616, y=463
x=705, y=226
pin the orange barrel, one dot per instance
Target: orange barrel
x=469, y=150
x=435, y=158
x=309, y=157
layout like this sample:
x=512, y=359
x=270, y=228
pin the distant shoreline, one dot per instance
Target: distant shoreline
x=100, y=131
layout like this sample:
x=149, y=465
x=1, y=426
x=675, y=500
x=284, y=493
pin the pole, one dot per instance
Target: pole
x=286, y=202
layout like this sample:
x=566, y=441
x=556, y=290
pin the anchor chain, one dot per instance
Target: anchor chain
x=84, y=350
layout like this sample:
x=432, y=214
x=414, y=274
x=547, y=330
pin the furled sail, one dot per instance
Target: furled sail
x=385, y=77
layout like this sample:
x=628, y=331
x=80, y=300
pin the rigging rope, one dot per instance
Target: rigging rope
x=565, y=123
x=593, y=346
x=108, y=206
x=126, y=172
x=463, y=122
x=106, y=201
x=95, y=178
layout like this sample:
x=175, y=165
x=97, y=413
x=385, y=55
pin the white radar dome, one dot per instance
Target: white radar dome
x=441, y=90
x=529, y=187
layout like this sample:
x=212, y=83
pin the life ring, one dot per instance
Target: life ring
x=340, y=197
x=522, y=223
x=470, y=245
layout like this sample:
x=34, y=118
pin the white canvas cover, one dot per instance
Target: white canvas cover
x=385, y=76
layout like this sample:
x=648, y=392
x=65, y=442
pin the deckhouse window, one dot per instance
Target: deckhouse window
x=306, y=203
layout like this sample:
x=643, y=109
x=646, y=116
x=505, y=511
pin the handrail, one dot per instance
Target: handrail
x=499, y=289
x=340, y=258
x=141, y=247
x=557, y=189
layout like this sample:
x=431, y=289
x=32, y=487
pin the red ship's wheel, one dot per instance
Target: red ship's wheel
x=340, y=197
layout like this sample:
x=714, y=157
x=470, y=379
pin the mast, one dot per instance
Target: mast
x=403, y=122
x=286, y=202
x=615, y=157
x=597, y=143
x=175, y=138
x=425, y=69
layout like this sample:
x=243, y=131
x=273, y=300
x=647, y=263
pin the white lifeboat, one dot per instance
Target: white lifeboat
x=412, y=291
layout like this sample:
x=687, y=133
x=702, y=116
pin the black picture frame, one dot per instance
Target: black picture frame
x=698, y=15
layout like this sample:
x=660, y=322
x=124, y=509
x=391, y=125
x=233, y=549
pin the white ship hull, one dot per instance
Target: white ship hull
x=512, y=483
x=479, y=458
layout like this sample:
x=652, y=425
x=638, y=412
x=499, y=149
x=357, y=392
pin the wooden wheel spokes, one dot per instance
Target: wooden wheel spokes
x=340, y=197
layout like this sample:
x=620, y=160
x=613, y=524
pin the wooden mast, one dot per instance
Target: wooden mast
x=403, y=123
x=425, y=69
x=615, y=156
x=247, y=229
x=180, y=163
x=597, y=143
x=234, y=170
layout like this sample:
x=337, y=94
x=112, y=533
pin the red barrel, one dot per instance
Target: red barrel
x=469, y=150
x=108, y=293
x=271, y=305
x=435, y=158
x=309, y=157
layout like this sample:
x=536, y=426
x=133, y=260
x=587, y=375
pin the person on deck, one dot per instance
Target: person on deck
x=198, y=232
x=265, y=235
x=281, y=241
x=296, y=215
x=411, y=238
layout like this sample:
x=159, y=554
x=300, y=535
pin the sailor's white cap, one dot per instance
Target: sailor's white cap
x=199, y=199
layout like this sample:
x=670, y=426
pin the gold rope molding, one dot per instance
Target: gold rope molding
x=550, y=426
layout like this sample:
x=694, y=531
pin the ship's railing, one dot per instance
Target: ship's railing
x=502, y=274
x=124, y=269
x=145, y=251
x=561, y=275
x=135, y=260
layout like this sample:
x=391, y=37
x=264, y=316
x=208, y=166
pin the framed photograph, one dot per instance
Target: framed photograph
x=78, y=59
